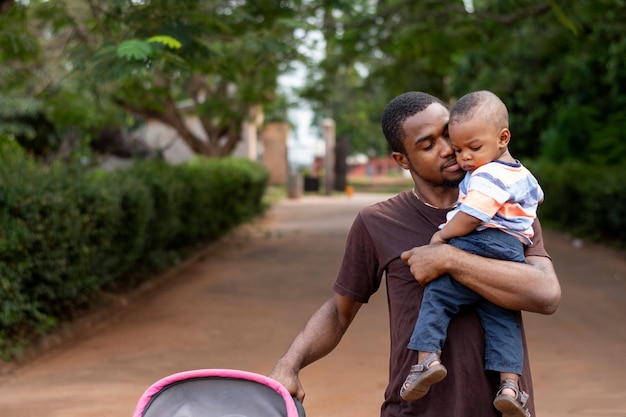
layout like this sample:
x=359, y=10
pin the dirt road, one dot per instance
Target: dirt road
x=239, y=304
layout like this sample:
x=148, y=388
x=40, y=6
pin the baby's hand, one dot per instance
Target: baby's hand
x=437, y=238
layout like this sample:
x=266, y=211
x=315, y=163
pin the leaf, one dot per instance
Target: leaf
x=134, y=49
x=175, y=60
x=168, y=41
x=564, y=19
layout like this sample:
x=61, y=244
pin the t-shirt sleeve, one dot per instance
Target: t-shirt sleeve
x=359, y=275
x=537, y=248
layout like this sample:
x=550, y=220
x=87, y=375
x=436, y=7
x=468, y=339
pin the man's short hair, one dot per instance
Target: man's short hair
x=398, y=110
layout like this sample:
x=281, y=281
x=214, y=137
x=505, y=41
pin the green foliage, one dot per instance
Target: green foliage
x=68, y=235
x=561, y=73
x=16, y=42
x=559, y=67
x=14, y=116
x=134, y=49
x=222, y=57
x=548, y=60
x=143, y=58
x=584, y=200
x=166, y=40
x=139, y=50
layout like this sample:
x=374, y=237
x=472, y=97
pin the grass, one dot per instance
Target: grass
x=378, y=185
x=386, y=185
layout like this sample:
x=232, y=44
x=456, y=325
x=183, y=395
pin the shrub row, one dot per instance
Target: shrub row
x=67, y=235
x=584, y=200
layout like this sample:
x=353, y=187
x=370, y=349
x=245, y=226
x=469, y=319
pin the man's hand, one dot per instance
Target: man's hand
x=426, y=262
x=289, y=380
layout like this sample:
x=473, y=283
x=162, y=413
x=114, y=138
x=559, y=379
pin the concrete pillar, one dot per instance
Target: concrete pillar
x=328, y=133
x=249, y=130
x=274, y=140
x=295, y=184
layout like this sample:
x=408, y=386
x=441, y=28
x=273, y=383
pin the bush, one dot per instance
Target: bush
x=585, y=200
x=67, y=235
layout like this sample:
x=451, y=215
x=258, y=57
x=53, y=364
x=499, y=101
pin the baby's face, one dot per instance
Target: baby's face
x=476, y=142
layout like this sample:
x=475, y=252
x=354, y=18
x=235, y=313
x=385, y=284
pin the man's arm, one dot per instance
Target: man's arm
x=531, y=287
x=319, y=337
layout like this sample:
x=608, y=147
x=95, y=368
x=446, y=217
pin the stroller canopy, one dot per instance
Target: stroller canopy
x=217, y=393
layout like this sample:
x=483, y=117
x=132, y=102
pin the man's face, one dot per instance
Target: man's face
x=476, y=142
x=430, y=156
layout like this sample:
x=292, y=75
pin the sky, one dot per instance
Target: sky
x=304, y=141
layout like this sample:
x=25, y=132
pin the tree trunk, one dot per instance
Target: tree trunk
x=6, y=5
x=220, y=141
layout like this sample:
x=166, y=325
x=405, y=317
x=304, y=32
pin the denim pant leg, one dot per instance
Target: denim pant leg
x=504, y=350
x=491, y=243
x=444, y=296
x=442, y=300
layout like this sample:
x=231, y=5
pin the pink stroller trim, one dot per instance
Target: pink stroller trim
x=292, y=410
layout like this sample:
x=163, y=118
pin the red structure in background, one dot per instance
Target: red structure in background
x=375, y=167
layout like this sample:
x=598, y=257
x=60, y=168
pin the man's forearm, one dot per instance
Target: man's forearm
x=517, y=286
x=531, y=287
x=319, y=337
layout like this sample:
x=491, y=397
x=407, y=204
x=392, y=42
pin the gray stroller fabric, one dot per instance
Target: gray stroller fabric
x=216, y=397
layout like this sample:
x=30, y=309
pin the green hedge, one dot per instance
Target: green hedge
x=585, y=200
x=67, y=235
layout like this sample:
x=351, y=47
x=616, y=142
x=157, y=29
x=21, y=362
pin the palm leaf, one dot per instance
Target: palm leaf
x=134, y=49
x=166, y=40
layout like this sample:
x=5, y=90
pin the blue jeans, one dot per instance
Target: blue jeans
x=444, y=297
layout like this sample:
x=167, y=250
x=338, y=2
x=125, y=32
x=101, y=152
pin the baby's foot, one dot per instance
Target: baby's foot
x=511, y=401
x=422, y=376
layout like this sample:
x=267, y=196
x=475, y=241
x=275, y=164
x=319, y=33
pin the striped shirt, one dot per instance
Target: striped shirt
x=501, y=195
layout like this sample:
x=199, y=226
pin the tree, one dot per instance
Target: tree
x=558, y=66
x=376, y=50
x=22, y=115
x=561, y=73
x=92, y=63
x=5, y=5
x=149, y=58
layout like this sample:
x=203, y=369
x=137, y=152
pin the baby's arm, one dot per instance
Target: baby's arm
x=460, y=225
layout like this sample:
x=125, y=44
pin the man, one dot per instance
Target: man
x=415, y=125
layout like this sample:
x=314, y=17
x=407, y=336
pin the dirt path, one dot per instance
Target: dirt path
x=238, y=305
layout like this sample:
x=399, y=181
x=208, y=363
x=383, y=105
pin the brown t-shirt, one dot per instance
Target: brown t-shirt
x=379, y=234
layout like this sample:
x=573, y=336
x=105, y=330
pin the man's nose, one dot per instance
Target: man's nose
x=446, y=149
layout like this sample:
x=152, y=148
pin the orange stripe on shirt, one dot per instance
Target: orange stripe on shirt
x=481, y=202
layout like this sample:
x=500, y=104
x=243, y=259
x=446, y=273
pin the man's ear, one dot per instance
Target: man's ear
x=400, y=159
x=504, y=137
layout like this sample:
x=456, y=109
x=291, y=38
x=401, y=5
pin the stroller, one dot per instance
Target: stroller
x=217, y=393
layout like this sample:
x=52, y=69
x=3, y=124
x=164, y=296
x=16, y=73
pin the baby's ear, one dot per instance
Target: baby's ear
x=504, y=137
